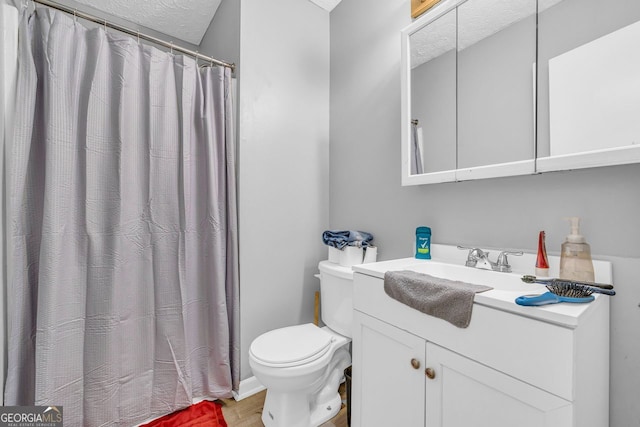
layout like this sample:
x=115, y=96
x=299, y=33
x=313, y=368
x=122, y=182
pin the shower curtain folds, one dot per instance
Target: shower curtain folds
x=123, y=302
x=9, y=20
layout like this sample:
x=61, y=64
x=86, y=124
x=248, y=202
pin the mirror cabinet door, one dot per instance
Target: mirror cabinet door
x=501, y=88
x=433, y=96
x=589, y=83
x=496, y=82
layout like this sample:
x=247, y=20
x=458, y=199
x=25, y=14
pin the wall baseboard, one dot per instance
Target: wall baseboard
x=248, y=387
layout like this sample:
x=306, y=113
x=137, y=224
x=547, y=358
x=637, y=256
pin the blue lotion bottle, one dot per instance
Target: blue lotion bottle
x=423, y=243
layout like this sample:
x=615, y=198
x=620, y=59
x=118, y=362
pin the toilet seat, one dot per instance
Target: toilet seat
x=291, y=346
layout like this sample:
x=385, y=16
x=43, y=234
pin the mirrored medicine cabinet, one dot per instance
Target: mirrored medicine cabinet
x=494, y=88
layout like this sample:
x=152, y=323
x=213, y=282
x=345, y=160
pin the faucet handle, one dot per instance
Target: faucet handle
x=474, y=255
x=503, y=263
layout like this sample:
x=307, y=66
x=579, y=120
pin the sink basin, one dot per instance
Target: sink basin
x=506, y=286
x=497, y=280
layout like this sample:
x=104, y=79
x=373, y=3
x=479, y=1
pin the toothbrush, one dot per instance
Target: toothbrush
x=547, y=281
x=558, y=285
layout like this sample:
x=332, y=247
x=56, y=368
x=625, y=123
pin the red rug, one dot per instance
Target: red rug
x=203, y=414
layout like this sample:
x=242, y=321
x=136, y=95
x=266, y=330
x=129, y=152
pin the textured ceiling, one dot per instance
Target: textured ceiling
x=476, y=21
x=186, y=20
x=326, y=4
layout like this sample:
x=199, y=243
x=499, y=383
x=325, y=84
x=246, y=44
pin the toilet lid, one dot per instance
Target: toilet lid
x=293, y=345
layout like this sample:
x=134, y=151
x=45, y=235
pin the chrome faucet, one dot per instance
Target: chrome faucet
x=478, y=258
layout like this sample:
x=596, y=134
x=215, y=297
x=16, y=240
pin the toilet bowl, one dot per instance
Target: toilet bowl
x=302, y=383
x=302, y=366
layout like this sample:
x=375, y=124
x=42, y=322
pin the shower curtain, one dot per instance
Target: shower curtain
x=123, y=300
x=8, y=69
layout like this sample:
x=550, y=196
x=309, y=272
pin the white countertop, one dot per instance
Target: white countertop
x=507, y=286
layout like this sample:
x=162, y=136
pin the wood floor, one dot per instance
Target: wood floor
x=247, y=412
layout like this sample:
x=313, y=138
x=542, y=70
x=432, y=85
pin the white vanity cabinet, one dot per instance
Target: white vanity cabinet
x=513, y=366
x=389, y=390
x=462, y=392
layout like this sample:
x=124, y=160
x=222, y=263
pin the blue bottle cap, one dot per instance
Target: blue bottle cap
x=425, y=230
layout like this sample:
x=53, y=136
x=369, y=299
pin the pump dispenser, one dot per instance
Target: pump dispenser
x=575, y=257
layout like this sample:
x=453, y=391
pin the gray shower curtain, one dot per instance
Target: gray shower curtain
x=123, y=301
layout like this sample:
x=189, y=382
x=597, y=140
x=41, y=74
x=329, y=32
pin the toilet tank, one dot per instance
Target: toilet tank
x=336, y=297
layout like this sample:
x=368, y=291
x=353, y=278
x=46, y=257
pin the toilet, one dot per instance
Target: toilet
x=302, y=366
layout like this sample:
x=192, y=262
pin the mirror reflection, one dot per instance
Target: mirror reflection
x=496, y=86
x=472, y=87
x=433, y=104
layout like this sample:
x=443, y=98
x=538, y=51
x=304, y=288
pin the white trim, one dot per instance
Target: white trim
x=427, y=178
x=248, y=387
x=590, y=159
x=522, y=167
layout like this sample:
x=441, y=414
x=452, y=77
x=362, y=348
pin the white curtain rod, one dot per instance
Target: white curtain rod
x=137, y=34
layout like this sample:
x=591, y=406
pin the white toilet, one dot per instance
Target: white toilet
x=302, y=366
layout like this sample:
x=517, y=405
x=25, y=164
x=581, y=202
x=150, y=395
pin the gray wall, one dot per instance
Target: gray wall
x=282, y=49
x=494, y=213
x=222, y=39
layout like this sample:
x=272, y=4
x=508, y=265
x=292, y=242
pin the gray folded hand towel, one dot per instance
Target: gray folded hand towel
x=449, y=300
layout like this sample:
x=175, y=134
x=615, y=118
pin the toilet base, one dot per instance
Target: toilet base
x=327, y=411
x=293, y=410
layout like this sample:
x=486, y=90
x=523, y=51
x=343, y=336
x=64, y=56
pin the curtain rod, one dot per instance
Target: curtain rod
x=137, y=34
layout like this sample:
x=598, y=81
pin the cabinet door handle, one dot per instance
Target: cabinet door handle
x=415, y=363
x=430, y=373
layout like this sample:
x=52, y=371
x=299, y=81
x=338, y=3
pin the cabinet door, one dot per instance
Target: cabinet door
x=388, y=375
x=465, y=393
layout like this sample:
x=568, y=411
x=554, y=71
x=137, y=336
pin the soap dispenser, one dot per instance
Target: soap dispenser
x=575, y=258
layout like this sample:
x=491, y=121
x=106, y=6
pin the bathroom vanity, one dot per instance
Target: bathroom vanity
x=513, y=366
